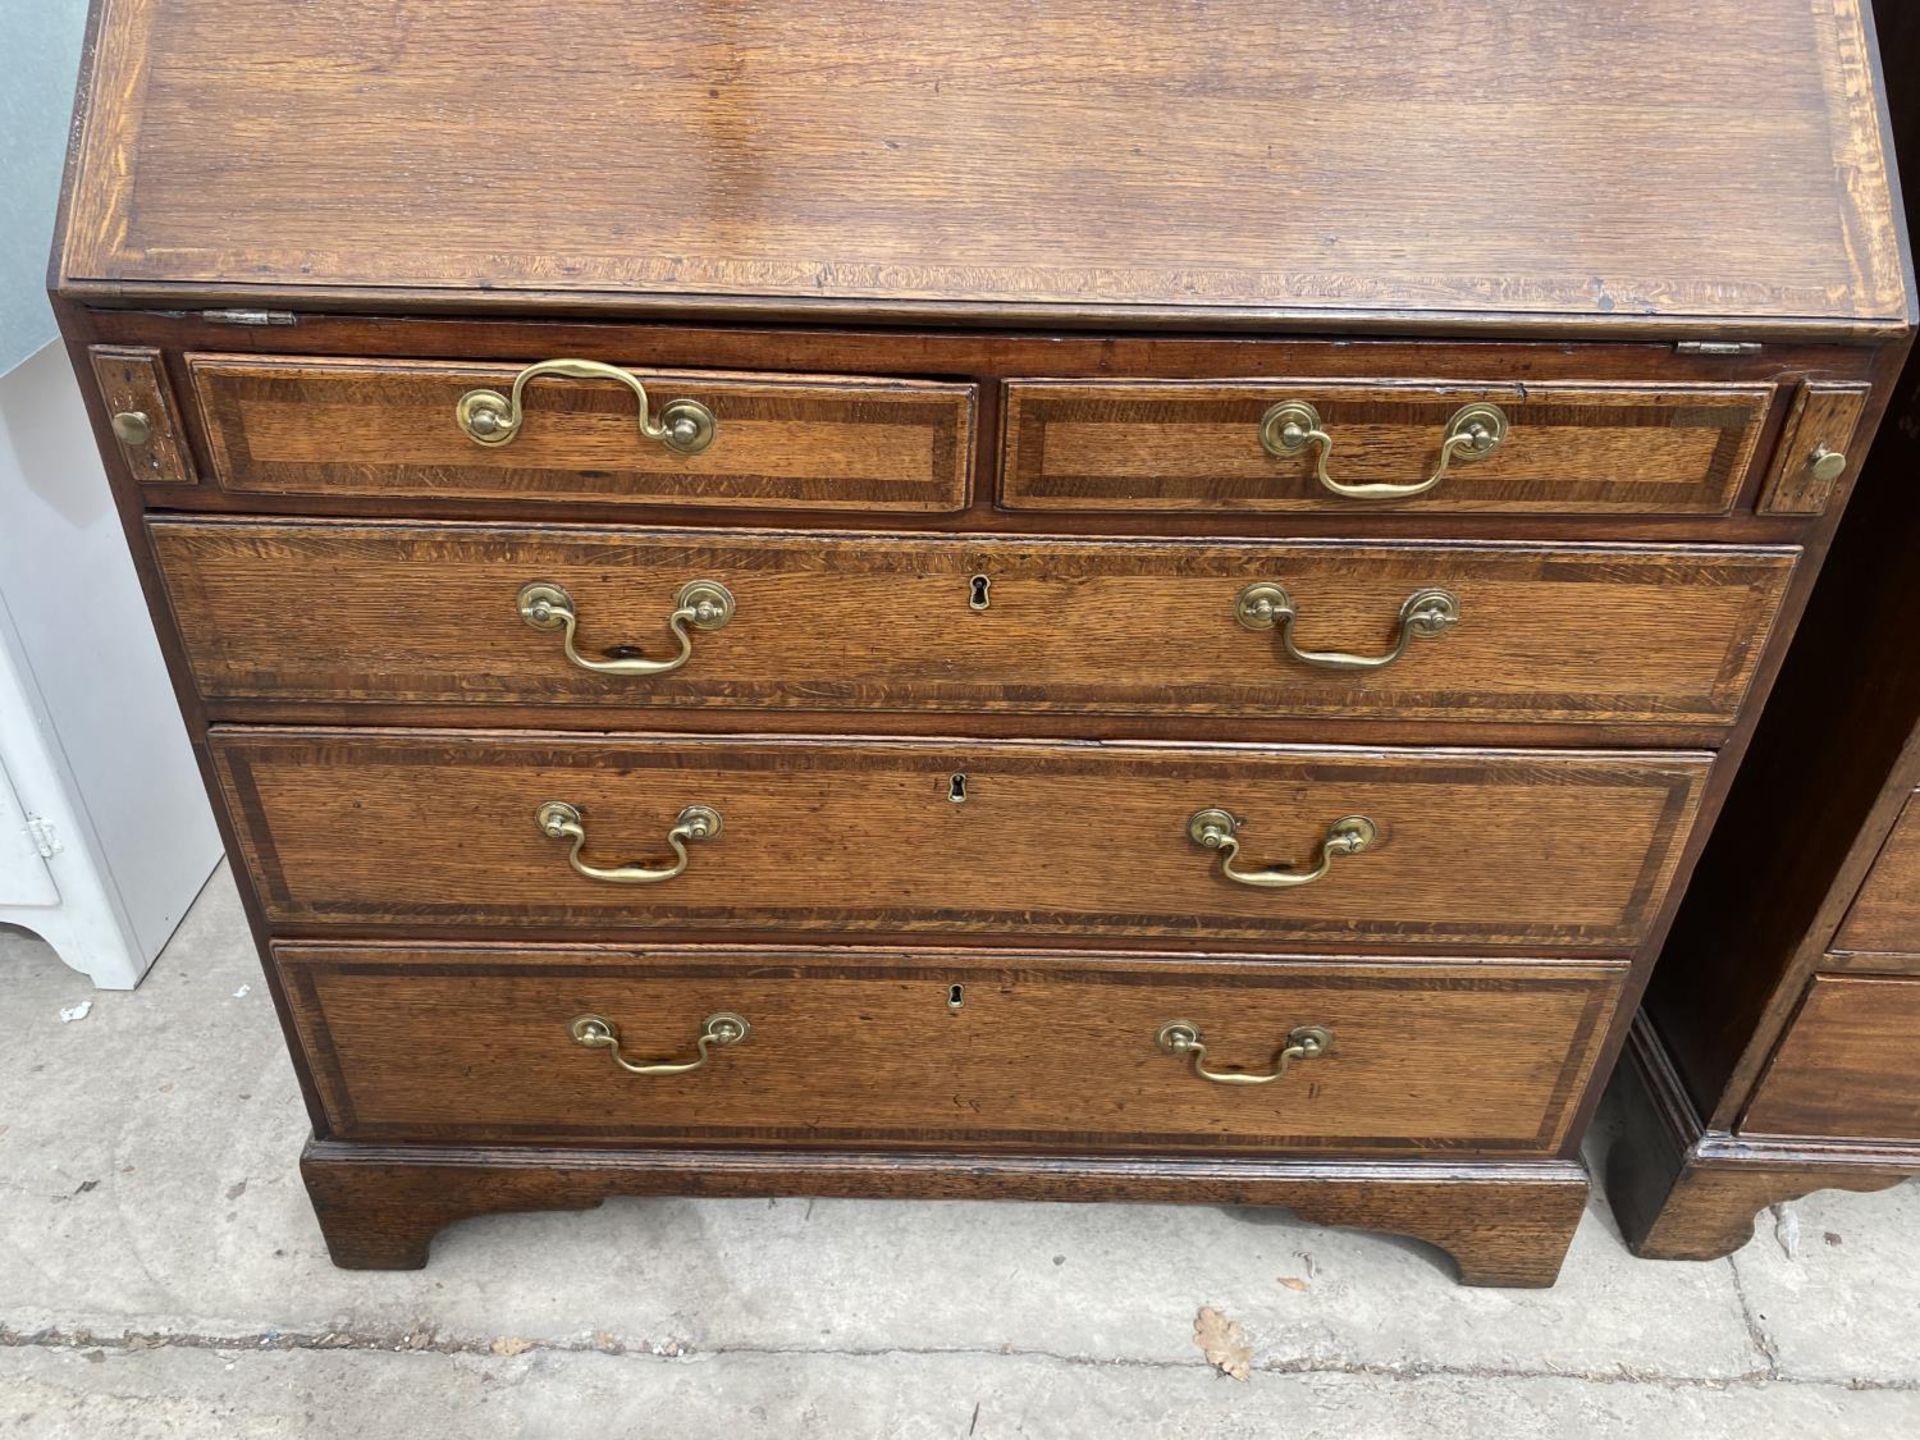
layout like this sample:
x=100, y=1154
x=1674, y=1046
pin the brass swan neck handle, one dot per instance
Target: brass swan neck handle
x=1474, y=432
x=703, y=604
x=560, y=821
x=1214, y=829
x=1425, y=613
x=596, y=1032
x=1182, y=1038
x=487, y=417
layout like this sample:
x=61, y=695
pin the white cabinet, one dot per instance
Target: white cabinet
x=105, y=831
x=25, y=883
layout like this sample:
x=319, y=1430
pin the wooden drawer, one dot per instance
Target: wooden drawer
x=388, y=428
x=393, y=613
x=1849, y=1065
x=439, y=829
x=1164, y=445
x=1886, y=913
x=931, y=1048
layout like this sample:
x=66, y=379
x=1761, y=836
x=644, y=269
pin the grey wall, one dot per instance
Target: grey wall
x=39, y=59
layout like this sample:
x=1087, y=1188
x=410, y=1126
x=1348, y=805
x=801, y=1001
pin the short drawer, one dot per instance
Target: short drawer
x=942, y=1049
x=286, y=612
x=1849, y=1066
x=1278, y=445
x=395, y=428
x=1885, y=915
x=1416, y=847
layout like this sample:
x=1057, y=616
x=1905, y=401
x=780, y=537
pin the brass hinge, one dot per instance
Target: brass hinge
x=247, y=317
x=1718, y=347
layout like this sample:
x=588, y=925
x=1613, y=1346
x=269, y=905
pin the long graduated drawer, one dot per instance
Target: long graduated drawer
x=809, y=1047
x=561, y=617
x=1403, y=847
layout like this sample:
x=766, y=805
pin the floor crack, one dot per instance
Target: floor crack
x=1756, y=1332
x=426, y=1342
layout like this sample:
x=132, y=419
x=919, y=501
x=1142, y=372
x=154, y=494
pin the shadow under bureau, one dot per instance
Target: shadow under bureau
x=795, y=607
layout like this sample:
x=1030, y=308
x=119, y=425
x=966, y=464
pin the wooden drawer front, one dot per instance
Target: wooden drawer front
x=439, y=829
x=330, y=612
x=872, y=624
x=859, y=1045
x=1886, y=913
x=1175, y=445
x=388, y=428
x=1849, y=1066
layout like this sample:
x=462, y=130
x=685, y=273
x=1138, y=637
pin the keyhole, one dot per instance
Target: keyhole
x=956, y=996
x=957, y=789
x=977, y=596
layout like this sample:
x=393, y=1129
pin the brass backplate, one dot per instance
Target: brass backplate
x=709, y=600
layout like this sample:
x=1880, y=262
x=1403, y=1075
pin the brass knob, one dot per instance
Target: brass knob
x=132, y=427
x=1826, y=465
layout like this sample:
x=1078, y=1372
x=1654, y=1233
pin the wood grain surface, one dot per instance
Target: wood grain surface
x=133, y=378
x=1885, y=915
x=382, y=428
x=1681, y=1192
x=859, y=624
x=987, y=359
x=1826, y=417
x=436, y=830
x=1849, y=1064
x=1652, y=232
x=1169, y=445
x=1676, y=158
x=1504, y=1223
x=855, y=1047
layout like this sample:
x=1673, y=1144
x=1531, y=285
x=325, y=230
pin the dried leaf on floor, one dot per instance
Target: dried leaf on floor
x=1223, y=1342
x=1786, y=1230
x=1294, y=1282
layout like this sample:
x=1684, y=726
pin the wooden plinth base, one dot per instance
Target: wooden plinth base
x=1683, y=1192
x=1504, y=1224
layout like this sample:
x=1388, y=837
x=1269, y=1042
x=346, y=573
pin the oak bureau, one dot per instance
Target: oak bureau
x=1083, y=601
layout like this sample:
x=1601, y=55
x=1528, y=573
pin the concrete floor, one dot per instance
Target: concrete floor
x=161, y=1275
